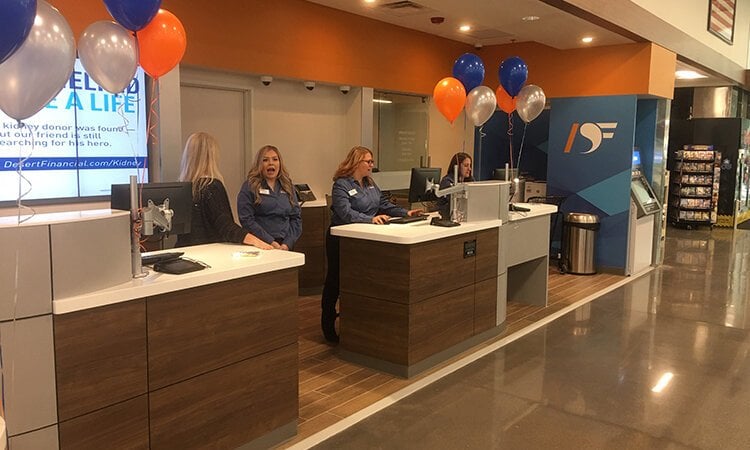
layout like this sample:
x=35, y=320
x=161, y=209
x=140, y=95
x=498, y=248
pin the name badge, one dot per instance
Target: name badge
x=352, y=192
x=265, y=192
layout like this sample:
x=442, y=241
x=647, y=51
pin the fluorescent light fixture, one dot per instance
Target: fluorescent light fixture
x=663, y=382
x=530, y=18
x=688, y=75
x=587, y=39
x=381, y=100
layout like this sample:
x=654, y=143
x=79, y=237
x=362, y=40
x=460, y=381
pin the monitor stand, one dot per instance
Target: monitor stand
x=438, y=222
x=516, y=208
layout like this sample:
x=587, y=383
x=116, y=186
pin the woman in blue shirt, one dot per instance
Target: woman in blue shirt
x=463, y=160
x=267, y=204
x=355, y=199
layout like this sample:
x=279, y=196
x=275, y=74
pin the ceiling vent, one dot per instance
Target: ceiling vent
x=403, y=8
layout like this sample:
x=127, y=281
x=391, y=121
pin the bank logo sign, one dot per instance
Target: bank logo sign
x=594, y=133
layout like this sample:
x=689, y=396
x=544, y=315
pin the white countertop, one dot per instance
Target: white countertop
x=411, y=233
x=537, y=209
x=417, y=232
x=227, y=261
x=59, y=217
x=314, y=203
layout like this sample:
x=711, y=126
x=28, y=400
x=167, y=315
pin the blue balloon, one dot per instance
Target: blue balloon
x=133, y=14
x=513, y=73
x=16, y=19
x=469, y=70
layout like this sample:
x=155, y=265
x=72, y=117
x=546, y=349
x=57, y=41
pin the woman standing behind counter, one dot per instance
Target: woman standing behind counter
x=356, y=199
x=211, y=216
x=463, y=160
x=267, y=204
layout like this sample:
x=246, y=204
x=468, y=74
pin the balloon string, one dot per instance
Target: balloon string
x=510, y=140
x=520, y=150
x=21, y=178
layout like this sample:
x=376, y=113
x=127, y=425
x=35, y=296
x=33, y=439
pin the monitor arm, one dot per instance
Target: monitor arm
x=160, y=215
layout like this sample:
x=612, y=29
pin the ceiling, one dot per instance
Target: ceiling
x=496, y=22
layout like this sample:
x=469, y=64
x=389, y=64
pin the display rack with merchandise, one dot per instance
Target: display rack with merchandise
x=694, y=186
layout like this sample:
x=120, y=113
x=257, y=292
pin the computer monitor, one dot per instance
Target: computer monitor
x=180, y=195
x=499, y=174
x=421, y=180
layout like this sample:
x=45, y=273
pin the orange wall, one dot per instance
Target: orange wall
x=303, y=40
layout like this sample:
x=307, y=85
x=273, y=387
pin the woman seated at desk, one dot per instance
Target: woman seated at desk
x=355, y=199
x=211, y=217
x=463, y=160
x=267, y=204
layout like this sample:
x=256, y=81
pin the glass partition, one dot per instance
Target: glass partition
x=400, y=130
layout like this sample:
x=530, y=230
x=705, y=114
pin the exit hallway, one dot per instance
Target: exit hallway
x=661, y=362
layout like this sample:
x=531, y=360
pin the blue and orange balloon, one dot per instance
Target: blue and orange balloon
x=469, y=70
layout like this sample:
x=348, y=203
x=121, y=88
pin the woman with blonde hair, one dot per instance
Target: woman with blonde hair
x=356, y=199
x=267, y=204
x=211, y=219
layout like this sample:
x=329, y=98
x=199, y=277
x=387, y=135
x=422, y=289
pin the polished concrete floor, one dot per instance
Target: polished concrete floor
x=662, y=362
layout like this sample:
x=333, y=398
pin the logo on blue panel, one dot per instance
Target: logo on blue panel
x=593, y=132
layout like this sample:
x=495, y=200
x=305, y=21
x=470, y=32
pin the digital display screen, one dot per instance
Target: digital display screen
x=81, y=143
x=636, y=157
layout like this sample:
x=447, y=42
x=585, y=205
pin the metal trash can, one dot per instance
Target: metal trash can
x=579, y=243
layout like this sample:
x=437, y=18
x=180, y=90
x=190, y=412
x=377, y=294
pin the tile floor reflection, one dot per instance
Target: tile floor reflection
x=662, y=362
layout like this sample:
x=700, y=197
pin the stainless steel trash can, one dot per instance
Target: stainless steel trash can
x=580, y=243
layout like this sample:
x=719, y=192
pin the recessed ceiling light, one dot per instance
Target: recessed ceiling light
x=688, y=75
x=587, y=40
x=465, y=28
x=370, y=1
x=530, y=18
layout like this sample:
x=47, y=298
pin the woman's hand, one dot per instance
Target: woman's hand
x=283, y=247
x=250, y=239
x=415, y=212
x=380, y=219
x=275, y=245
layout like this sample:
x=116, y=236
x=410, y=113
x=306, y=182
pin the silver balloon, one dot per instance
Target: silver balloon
x=530, y=102
x=109, y=53
x=480, y=105
x=39, y=69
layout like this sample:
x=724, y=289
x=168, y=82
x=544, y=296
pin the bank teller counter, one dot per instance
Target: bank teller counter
x=414, y=295
x=312, y=243
x=102, y=360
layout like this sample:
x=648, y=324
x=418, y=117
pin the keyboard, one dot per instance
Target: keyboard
x=147, y=260
x=438, y=222
x=408, y=219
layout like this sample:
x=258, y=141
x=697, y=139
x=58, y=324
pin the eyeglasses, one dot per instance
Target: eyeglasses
x=369, y=162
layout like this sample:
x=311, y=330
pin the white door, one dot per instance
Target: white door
x=221, y=113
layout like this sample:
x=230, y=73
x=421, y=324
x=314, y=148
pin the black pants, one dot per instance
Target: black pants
x=331, y=286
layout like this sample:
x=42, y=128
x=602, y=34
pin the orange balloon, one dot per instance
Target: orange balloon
x=504, y=100
x=450, y=97
x=161, y=44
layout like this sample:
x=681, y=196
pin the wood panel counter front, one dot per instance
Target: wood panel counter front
x=201, y=360
x=414, y=295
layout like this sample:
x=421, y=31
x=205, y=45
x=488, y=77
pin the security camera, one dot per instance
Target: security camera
x=266, y=80
x=309, y=85
x=345, y=89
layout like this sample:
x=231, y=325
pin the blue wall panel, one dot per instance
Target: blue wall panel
x=589, y=161
x=491, y=145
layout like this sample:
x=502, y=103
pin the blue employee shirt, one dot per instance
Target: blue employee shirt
x=274, y=219
x=353, y=203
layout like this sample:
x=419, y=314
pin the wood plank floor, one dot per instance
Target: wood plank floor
x=331, y=389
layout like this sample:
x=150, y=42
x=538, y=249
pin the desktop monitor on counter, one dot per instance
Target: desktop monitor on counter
x=180, y=195
x=422, y=179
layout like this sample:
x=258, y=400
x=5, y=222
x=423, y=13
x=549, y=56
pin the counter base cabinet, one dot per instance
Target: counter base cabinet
x=313, y=244
x=405, y=308
x=221, y=368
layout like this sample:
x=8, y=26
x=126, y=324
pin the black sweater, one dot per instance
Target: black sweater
x=211, y=219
